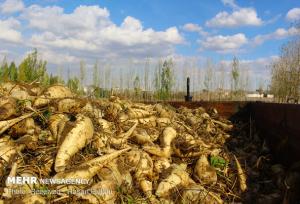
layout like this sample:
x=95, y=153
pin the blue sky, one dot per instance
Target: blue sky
x=66, y=32
x=161, y=15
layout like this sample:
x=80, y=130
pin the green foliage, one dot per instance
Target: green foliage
x=97, y=92
x=21, y=105
x=47, y=114
x=45, y=80
x=137, y=86
x=43, y=118
x=74, y=84
x=96, y=75
x=55, y=80
x=285, y=81
x=13, y=72
x=164, y=80
x=218, y=162
x=235, y=73
x=125, y=198
x=82, y=77
x=208, y=78
x=100, y=92
x=4, y=72
x=8, y=73
x=32, y=69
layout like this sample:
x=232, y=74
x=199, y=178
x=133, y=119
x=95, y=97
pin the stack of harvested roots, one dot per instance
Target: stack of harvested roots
x=128, y=152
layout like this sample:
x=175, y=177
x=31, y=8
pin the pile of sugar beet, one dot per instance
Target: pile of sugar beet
x=131, y=152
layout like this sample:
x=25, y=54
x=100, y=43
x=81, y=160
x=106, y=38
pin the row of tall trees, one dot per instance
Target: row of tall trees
x=166, y=79
x=31, y=69
x=216, y=78
x=285, y=83
x=143, y=82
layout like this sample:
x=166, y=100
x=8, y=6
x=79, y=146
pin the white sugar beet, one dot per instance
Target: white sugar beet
x=75, y=140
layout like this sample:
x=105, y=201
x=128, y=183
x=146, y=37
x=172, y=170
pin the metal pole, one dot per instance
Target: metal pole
x=188, y=87
x=188, y=97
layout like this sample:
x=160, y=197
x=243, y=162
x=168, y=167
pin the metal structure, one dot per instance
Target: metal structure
x=188, y=97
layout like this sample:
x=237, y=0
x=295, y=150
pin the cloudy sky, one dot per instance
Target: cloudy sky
x=66, y=32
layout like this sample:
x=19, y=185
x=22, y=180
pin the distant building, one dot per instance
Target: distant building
x=258, y=96
x=254, y=95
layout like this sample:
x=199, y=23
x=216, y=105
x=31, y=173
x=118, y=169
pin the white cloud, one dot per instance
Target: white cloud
x=58, y=58
x=132, y=24
x=11, y=6
x=89, y=31
x=273, y=19
x=8, y=32
x=230, y=3
x=53, y=18
x=241, y=17
x=48, y=39
x=192, y=27
x=280, y=33
x=293, y=14
x=224, y=44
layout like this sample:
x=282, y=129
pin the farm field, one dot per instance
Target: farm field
x=127, y=152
